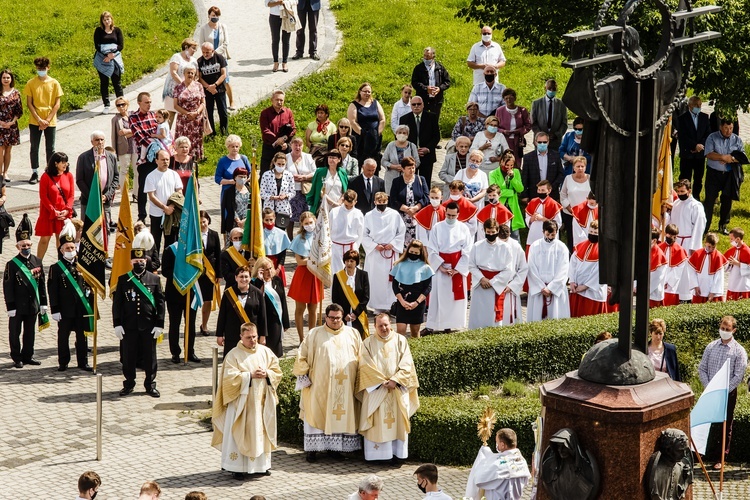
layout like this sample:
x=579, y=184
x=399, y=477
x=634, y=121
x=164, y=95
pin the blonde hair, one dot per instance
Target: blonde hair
x=302, y=218
x=261, y=262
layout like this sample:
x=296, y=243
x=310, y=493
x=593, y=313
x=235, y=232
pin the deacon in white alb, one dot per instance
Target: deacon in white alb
x=347, y=228
x=491, y=267
x=689, y=216
x=548, y=277
x=512, y=306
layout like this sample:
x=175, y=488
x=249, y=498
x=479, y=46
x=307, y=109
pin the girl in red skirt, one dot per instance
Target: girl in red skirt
x=305, y=288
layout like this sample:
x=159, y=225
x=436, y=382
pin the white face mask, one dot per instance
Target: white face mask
x=435, y=203
x=725, y=335
x=455, y=197
x=69, y=255
x=401, y=137
x=309, y=227
x=237, y=244
x=735, y=243
x=450, y=222
x=240, y=181
x=280, y=169
x=486, y=38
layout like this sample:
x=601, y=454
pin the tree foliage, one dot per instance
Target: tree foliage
x=721, y=67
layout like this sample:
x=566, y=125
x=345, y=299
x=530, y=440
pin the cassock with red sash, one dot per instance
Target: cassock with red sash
x=584, y=215
x=549, y=209
x=584, y=270
x=738, y=286
x=658, y=271
x=493, y=261
x=708, y=271
x=677, y=278
x=548, y=268
x=347, y=228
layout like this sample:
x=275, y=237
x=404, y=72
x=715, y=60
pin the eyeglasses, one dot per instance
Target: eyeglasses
x=121, y=105
x=541, y=142
x=344, y=127
x=335, y=318
x=416, y=104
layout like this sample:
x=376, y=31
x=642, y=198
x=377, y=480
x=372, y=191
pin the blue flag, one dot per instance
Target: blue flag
x=189, y=256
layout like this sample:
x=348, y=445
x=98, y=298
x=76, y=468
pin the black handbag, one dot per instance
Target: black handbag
x=282, y=221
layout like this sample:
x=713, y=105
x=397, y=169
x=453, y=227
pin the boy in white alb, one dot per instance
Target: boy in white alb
x=677, y=278
x=539, y=210
x=347, y=228
x=430, y=215
x=548, y=277
x=707, y=268
x=689, y=216
x=738, y=263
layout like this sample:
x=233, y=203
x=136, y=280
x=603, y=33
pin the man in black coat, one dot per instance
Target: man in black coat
x=108, y=171
x=232, y=258
x=239, y=304
x=430, y=80
x=366, y=184
x=693, y=128
x=25, y=297
x=138, y=318
x=424, y=132
x=71, y=302
x=543, y=160
x=176, y=308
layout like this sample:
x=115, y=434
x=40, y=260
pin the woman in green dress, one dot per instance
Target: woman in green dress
x=508, y=178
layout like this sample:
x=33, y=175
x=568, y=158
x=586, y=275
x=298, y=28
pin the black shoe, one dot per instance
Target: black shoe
x=108, y=262
x=312, y=456
x=125, y=391
x=723, y=230
x=62, y=368
x=175, y=359
x=315, y=57
x=32, y=362
x=204, y=332
x=238, y=476
x=17, y=364
x=153, y=393
x=297, y=56
x=34, y=179
x=194, y=358
x=86, y=368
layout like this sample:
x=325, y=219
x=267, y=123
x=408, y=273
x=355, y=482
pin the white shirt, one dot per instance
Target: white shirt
x=573, y=193
x=305, y=166
x=437, y=495
x=399, y=110
x=163, y=185
x=483, y=54
x=542, y=159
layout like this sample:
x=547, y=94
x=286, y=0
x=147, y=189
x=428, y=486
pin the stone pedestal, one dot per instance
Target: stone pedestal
x=619, y=425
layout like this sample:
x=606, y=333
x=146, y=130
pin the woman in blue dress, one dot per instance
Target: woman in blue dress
x=367, y=121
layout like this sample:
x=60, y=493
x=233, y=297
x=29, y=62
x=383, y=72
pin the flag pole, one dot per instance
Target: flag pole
x=703, y=466
x=187, y=322
x=248, y=213
x=95, y=328
x=723, y=447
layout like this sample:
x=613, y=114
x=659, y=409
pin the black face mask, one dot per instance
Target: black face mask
x=549, y=240
x=594, y=238
x=423, y=489
x=94, y=495
x=491, y=237
x=683, y=197
x=542, y=196
x=381, y=207
x=412, y=256
x=139, y=267
x=489, y=78
x=492, y=201
x=669, y=240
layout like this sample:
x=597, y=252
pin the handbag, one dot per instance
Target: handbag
x=282, y=220
x=207, y=130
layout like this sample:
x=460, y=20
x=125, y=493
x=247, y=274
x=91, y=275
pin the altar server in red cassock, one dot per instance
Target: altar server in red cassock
x=707, y=267
x=738, y=263
x=587, y=295
x=677, y=278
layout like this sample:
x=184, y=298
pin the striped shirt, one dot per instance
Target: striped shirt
x=713, y=359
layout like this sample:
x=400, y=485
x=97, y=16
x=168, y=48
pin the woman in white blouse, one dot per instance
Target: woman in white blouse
x=277, y=187
x=302, y=167
x=474, y=179
x=491, y=143
x=574, y=190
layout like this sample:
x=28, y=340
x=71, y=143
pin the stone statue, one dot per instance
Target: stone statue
x=670, y=469
x=569, y=471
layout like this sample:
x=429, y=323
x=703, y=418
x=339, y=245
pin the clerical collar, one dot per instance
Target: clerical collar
x=389, y=337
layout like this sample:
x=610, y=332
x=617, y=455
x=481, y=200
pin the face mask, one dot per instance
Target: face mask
x=708, y=250
x=492, y=129
x=412, y=256
x=542, y=148
x=268, y=226
x=427, y=62
x=381, y=208
x=69, y=255
x=725, y=335
x=487, y=38
x=683, y=197
x=551, y=94
x=435, y=203
x=279, y=169
x=42, y=73
x=492, y=201
x=695, y=111
x=489, y=78
x=309, y=227
x=473, y=165
x=139, y=267
x=591, y=205
x=542, y=196
x=549, y=240
x=450, y=222
x=579, y=133
x=491, y=237
x=94, y=495
x=240, y=181
x=214, y=20
x=401, y=137
x=735, y=244
x=669, y=240
x=237, y=245
x=26, y=252
x=455, y=197
x=594, y=238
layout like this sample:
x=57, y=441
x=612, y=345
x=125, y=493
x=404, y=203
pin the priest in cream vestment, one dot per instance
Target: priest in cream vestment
x=244, y=411
x=326, y=371
x=387, y=387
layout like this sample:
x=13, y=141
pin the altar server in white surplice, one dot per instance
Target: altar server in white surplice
x=491, y=267
x=499, y=476
x=548, y=277
x=347, y=228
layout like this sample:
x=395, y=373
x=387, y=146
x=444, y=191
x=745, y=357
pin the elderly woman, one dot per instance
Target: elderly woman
x=123, y=142
x=574, y=191
x=348, y=162
x=469, y=125
x=215, y=32
x=408, y=194
x=333, y=179
x=368, y=121
x=11, y=109
x=108, y=58
x=277, y=314
x=190, y=104
x=182, y=162
x=56, y=197
x=395, y=152
x=302, y=167
x=514, y=123
x=475, y=181
x=229, y=163
x=508, y=177
x=663, y=355
x=454, y=162
x=344, y=129
x=317, y=134
x=177, y=64
x=277, y=187
x=491, y=143
x=369, y=487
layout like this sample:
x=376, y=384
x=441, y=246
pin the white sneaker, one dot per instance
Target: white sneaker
x=105, y=110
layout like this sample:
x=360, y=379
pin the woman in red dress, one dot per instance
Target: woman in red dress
x=305, y=289
x=56, y=196
x=190, y=101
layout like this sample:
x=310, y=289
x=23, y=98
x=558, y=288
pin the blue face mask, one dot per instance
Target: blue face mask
x=492, y=129
x=42, y=72
x=579, y=133
x=427, y=62
x=26, y=252
x=542, y=148
x=473, y=165
x=551, y=93
x=695, y=111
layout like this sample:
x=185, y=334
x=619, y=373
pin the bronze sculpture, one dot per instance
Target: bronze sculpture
x=670, y=469
x=569, y=471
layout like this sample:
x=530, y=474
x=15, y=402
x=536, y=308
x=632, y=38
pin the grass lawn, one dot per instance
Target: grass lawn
x=64, y=32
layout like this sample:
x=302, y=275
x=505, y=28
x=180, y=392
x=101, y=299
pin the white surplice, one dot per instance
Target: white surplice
x=502, y=476
x=677, y=278
x=347, y=228
x=587, y=273
x=487, y=256
x=382, y=228
x=548, y=268
x=690, y=218
x=512, y=309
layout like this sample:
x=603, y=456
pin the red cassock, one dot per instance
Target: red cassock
x=550, y=208
x=425, y=215
x=741, y=253
x=466, y=209
x=658, y=259
x=496, y=211
x=716, y=262
x=677, y=255
x=586, y=251
x=581, y=213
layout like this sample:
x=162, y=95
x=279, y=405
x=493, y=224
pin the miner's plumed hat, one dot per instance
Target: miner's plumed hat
x=24, y=230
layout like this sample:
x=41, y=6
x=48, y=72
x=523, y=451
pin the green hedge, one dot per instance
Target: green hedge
x=444, y=428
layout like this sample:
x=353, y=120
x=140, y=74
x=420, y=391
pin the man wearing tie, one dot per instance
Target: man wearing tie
x=366, y=185
x=109, y=176
x=549, y=114
x=693, y=128
x=424, y=131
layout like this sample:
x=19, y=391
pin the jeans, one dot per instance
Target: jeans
x=220, y=100
x=276, y=34
x=35, y=139
x=307, y=17
x=104, y=86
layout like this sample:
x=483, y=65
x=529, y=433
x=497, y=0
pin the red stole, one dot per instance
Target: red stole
x=466, y=209
x=742, y=253
x=550, y=207
x=677, y=254
x=424, y=216
x=586, y=251
x=581, y=213
x=658, y=258
x=499, y=297
x=458, y=282
x=716, y=261
x=496, y=211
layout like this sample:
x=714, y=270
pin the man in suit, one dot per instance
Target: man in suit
x=549, y=114
x=308, y=12
x=175, y=303
x=693, y=128
x=543, y=163
x=109, y=175
x=138, y=318
x=366, y=185
x=430, y=80
x=424, y=132
x=240, y=304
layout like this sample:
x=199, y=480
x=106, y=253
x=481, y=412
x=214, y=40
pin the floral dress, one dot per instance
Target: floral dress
x=409, y=222
x=190, y=99
x=10, y=108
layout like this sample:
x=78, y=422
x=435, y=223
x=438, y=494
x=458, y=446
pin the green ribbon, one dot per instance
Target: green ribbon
x=141, y=288
x=43, y=318
x=77, y=288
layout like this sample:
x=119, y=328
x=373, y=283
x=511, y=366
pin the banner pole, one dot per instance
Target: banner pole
x=96, y=312
x=703, y=466
x=99, y=416
x=215, y=371
x=723, y=447
x=187, y=323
